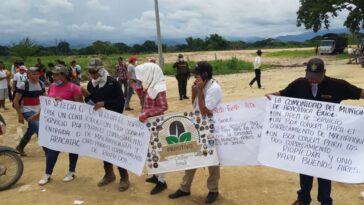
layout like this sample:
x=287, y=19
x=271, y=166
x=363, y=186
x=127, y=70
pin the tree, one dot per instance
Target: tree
x=313, y=13
x=196, y=44
x=24, y=48
x=122, y=47
x=215, y=42
x=150, y=46
x=63, y=48
x=4, y=50
x=104, y=47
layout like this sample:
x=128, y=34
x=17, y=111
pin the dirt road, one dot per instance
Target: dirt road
x=238, y=185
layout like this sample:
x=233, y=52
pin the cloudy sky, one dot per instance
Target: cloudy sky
x=128, y=20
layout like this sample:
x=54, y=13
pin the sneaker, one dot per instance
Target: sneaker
x=180, y=98
x=211, y=197
x=129, y=109
x=178, y=194
x=159, y=187
x=261, y=87
x=153, y=179
x=69, y=177
x=250, y=85
x=185, y=97
x=45, y=179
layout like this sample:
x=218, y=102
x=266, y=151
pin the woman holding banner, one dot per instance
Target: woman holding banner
x=105, y=91
x=154, y=104
x=61, y=89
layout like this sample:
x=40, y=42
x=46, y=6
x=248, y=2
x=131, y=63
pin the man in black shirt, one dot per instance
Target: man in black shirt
x=182, y=75
x=317, y=86
x=105, y=91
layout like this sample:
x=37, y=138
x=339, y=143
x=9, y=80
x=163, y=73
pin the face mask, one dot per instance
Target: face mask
x=180, y=59
x=59, y=82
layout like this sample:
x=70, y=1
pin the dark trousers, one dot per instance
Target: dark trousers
x=182, y=85
x=324, y=190
x=52, y=156
x=256, y=78
x=124, y=83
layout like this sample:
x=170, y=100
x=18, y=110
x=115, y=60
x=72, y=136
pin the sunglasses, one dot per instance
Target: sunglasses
x=93, y=72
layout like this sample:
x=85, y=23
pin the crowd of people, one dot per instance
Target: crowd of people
x=148, y=82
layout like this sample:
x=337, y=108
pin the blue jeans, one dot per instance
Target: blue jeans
x=324, y=190
x=129, y=93
x=33, y=127
x=51, y=159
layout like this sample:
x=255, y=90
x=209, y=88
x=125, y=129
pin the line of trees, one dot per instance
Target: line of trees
x=27, y=47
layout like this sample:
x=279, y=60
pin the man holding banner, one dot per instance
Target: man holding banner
x=317, y=86
x=104, y=91
x=206, y=96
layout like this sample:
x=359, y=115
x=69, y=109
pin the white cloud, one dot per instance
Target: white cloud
x=55, y=6
x=86, y=27
x=96, y=5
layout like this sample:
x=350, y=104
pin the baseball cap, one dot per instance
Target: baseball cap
x=132, y=59
x=33, y=69
x=59, y=68
x=23, y=68
x=95, y=65
x=315, y=69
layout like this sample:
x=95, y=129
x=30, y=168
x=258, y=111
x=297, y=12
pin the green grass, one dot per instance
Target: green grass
x=220, y=67
x=301, y=54
x=291, y=54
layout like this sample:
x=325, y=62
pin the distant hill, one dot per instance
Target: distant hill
x=309, y=35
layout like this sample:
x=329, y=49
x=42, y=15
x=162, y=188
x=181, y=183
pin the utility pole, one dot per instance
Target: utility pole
x=159, y=41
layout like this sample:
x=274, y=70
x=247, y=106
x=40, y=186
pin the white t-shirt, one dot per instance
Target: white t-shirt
x=257, y=62
x=213, y=95
x=18, y=77
x=3, y=82
x=350, y=51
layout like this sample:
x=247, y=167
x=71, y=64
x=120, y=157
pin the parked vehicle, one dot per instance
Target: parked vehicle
x=332, y=43
x=11, y=165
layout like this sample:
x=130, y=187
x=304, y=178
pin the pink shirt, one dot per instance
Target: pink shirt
x=67, y=91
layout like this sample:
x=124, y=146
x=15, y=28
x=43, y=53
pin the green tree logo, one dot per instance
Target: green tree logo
x=177, y=134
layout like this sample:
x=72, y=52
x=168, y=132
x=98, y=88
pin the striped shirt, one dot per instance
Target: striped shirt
x=30, y=100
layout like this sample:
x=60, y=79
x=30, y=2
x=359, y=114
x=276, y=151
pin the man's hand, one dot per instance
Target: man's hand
x=84, y=92
x=269, y=94
x=33, y=118
x=21, y=119
x=99, y=105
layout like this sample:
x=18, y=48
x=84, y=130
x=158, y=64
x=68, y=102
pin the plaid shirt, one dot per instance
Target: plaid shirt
x=155, y=107
x=121, y=71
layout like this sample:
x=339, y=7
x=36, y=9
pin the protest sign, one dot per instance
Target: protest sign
x=181, y=141
x=76, y=128
x=238, y=127
x=314, y=138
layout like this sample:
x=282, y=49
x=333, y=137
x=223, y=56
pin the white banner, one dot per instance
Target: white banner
x=181, y=141
x=76, y=128
x=314, y=138
x=238, y=128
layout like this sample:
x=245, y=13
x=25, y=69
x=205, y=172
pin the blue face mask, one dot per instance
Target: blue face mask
x=59, y=82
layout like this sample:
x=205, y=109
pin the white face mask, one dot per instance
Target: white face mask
x=59, y=82
x=180, y=59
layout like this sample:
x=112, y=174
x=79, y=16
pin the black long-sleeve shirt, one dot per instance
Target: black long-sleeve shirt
x=111, y=93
